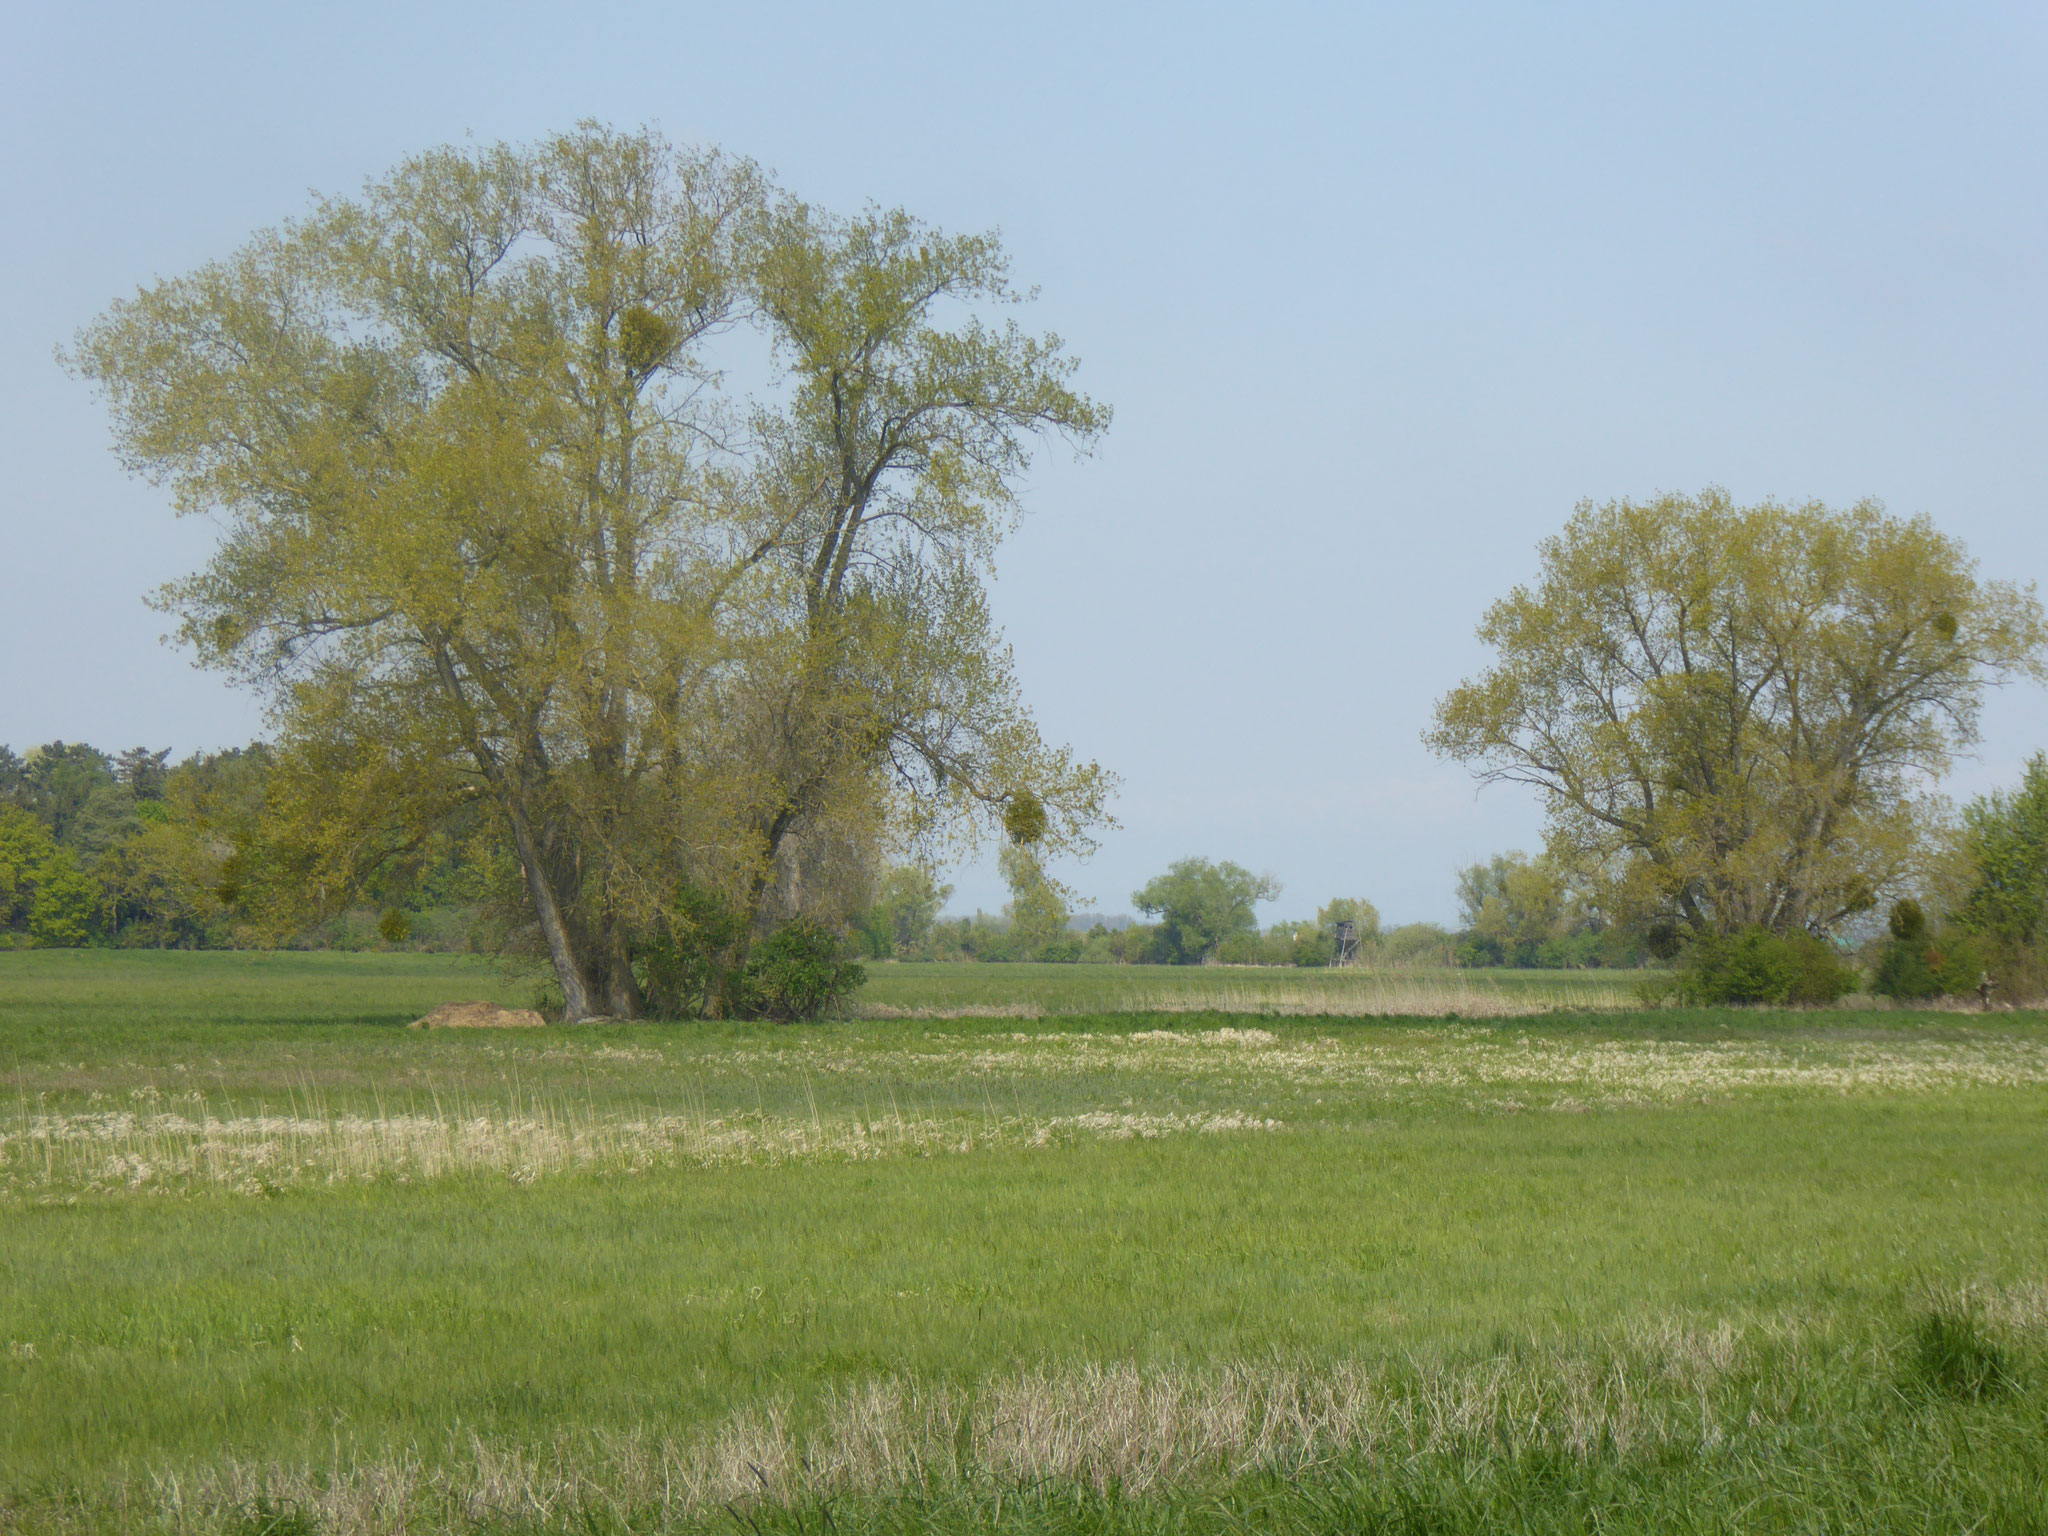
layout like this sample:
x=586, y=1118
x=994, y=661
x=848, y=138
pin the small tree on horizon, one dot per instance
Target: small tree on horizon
x=1199, y=904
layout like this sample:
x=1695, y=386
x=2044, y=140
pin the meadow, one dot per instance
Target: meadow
x=270, y=1262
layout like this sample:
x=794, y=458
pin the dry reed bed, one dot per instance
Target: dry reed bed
x=1366, y=996
x=1440, y=1059
x=46, y=1154
x=1677, y=1384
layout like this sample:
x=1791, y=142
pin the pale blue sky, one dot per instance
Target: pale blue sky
x=1377, y=295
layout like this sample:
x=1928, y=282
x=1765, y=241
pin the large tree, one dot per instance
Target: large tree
x=1735, y=714
x=1200, y=904
x=494, y=537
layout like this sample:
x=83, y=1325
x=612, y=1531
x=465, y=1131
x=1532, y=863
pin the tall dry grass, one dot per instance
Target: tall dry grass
x=149, y=1149
x=1673, y=1387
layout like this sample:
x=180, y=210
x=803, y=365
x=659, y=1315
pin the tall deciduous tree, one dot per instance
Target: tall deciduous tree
x=1735, y=714
x=493, y=537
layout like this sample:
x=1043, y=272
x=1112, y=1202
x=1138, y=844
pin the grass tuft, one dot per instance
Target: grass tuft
x=1955, y=1356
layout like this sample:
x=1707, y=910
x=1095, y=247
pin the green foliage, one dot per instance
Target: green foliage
x=1524, y=913
x=800, y=971
x=1037, y=909
x=394, y=926
x=143, y=773
x=899, y=920
x=689, y=962
x=26, y=848
x=61, y=917
x=646, y=339
x=1756, y=966
x=1200, y=904
x=159, y=886
x=72, y=788
x=1999, y=893
x=1922, y=966
x=41, y=899
x=1907, y=923
x=1903, y=972
x=2005, y=839
x=1363, y=916
x=45, y=899
x=698, y=965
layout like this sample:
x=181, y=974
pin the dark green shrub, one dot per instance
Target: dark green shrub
x=1959, y=961
x=1817, y=974
x=1903, y=971
x=1915, y=965
x=1663, y=939
x=800, y=971
x=1475, y=950
x=1756, y=966
x=686, y=963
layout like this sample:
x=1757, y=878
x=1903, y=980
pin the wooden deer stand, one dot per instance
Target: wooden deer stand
x=1347, y=944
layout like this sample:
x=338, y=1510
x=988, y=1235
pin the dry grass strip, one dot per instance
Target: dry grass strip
x=1099, y=1425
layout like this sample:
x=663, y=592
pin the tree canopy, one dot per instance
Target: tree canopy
x=2004, y=840
x=1200, y=905
x=495, y=536
x=1735, y=715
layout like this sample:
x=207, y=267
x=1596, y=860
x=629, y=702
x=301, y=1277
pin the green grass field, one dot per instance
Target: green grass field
x=271, y=1263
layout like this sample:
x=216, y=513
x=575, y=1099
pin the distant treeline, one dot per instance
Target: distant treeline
x=132, y=850
x=1517, y=912
x=129, y=849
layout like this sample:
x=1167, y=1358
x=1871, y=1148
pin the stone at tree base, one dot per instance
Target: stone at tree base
x=479, y=1016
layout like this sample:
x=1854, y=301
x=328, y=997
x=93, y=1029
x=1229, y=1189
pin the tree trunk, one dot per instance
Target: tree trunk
x=577, y=997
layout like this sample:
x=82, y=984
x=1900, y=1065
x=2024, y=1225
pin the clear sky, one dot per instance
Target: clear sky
x=1377, y=294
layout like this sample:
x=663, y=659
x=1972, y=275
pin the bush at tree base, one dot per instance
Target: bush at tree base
x=686, y=962
x=1757, y=966
x=800, y=971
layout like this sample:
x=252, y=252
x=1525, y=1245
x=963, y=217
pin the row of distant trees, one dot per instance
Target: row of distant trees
x=130, y=849
x=1980, y=919
x=679, y=670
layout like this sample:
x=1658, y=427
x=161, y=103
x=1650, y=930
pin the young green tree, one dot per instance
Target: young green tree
x=2005, y=843
x=1733, y=713
x=906, y=904
x=1038, y=909
x=45, y=898
x=493, y=539
x=1514, y=899
x=1363, y=916
x=1200, y=904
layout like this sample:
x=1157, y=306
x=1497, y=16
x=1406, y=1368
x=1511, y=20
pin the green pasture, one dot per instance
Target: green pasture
x=269, y=1261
